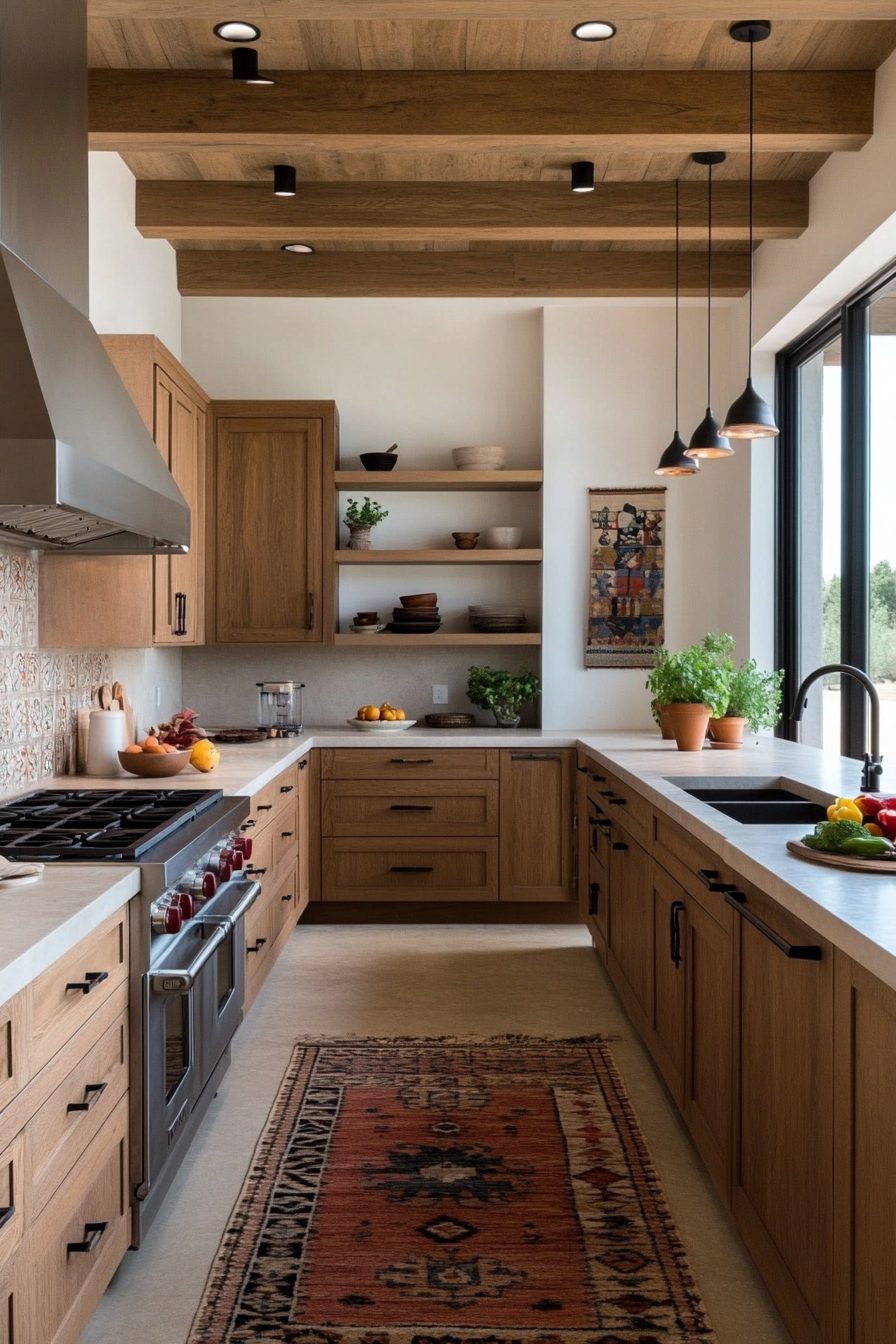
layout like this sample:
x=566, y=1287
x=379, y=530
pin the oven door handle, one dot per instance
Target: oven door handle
x=179, y=982
x=229, y=921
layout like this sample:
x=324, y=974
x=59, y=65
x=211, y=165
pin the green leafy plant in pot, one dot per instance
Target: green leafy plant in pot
x=754, y=701
x=359, y=519
x=689, y=688
x=502, y=692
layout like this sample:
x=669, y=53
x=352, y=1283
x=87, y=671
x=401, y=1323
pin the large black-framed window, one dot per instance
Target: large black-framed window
x=836, y=549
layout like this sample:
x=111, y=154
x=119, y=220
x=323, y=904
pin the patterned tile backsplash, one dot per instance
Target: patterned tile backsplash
x=41, y=690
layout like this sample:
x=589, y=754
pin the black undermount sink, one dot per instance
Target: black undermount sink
x=761, y=807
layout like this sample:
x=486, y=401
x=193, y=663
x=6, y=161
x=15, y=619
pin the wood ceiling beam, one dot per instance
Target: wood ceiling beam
x=493, y=111
x=456, y=274
x=410, y=11
x=420, y=211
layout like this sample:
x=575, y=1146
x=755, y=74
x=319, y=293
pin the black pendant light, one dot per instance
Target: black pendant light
x=750, y=417
x=582, y=175
x=675, y=461
x=284, y=179
x=707, y=440
x=245, y=66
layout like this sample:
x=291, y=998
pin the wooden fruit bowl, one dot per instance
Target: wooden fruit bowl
x=149, y=766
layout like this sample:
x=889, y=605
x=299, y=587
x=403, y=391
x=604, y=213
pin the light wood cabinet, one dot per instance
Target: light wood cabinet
x=136, y=601
x=419, y=807
x=537, y=800
x=400, y=762
x=630, y=954
x=269, y=579
x=394, y=869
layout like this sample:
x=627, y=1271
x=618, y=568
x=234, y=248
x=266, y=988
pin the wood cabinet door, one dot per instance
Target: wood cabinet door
x=179, y=432
x=864, y=1157
x=536, y=835
x=630, y=955
x=268, y=547
x=668, y=1038
x=783, y=1158
x=707, y=1104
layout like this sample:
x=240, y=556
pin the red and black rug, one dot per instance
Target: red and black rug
x=451, y=1192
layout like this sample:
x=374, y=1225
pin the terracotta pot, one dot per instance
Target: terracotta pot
x=689, y=725
x=665, y=724
x=727, y=729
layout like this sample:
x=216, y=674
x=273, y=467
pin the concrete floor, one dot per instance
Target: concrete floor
x=418, y=980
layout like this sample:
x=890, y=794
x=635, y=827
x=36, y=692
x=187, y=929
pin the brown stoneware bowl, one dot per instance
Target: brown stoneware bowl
x=420, y=600
x=465, y=541
x=149, y=766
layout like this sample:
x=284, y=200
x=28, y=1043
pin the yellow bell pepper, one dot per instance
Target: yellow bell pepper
x=845, y=810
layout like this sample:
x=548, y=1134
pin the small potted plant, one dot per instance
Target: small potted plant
x=502, y=692
x=754, y=699
x=359, y=519
x=692, y=687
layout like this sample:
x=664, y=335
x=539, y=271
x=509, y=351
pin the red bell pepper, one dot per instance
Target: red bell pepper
x=869, y=806
x=886, y=820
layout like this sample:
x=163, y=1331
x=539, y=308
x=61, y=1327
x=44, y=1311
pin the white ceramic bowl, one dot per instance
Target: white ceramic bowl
x=380, y=725
x=503, y=538
x=488, y=458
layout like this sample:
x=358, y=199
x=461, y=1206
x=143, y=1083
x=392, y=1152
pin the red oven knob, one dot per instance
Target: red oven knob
x=244, y=844
x=237, y=859
x=210, y=882
x=184, y=903
x=174, y=920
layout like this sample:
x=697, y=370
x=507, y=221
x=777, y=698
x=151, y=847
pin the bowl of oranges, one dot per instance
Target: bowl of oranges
x=384, y=718
x=152, y=759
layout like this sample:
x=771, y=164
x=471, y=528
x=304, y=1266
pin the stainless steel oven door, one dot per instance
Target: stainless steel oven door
x=223, y=982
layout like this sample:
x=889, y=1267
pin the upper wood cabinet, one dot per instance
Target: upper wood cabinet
x=269, y=581
x=135, y=601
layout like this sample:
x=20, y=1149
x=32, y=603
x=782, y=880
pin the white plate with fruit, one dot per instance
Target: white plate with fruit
x=384, y=718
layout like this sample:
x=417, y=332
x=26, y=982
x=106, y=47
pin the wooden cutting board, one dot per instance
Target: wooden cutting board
x=848, y=862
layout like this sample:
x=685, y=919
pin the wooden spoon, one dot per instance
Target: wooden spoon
x=105, y=696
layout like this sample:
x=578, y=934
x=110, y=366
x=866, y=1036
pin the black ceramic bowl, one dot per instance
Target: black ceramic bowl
x=378, y=461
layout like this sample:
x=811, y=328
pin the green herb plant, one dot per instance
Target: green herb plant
x=367, y=514
x=501, y=692
x=754, y=695
x=694, y=676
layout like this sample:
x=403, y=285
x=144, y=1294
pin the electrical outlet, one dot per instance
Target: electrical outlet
x=158, y=697
x=440, y=695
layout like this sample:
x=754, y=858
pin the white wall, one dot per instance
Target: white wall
x=133, y=280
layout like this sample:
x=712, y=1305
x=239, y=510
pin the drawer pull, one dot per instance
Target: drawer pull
x=287, y=788
x=286, y=835
x=405, y=868
x=7, y=1214
x=711, y=880
x=411, y=807
x=92, y=1094
x=597, y=779
x=405, y=760
x=675, y=931
x=593, y=895
x=619, y=844
x=265, y=807
x=256, y=872
x=259, y=944
x=286, y=898
x=618, y=802
x=533, y=756
x=303, y=764
x=246, y=824
x=90, y=981
x=605, y=793
x=93, y=1235
x=796, y=951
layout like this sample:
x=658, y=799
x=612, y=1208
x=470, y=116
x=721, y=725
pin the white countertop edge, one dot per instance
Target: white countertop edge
x=78, y=923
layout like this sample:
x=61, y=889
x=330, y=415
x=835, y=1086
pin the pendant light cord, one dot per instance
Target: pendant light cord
x=709, y=293
x=750, y=319
x=677, y=293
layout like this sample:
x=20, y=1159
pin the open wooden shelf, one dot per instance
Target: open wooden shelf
x=452, y=557
x=439, y=480
x=467, y=639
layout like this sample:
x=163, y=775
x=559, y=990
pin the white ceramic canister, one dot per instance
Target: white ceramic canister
x=107, y=736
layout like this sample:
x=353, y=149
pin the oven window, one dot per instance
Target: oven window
x=225, y=971
x=177, y=1042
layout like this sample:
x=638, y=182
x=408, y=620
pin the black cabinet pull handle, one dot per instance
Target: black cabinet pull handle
x=533, y=756
x=618, y=802
x=90, y=981
x=259, y=944
x=93, y=1235
x=92, y=1094
x=675, y=931
x=180, y=609
x=397, y=868
x=582, y=769
x=605, y=793
x=619, y=844
x=246, y=824
x=302, y=765
x=405, y=760
x=256, y=872
x=265, y=807
x=287, y=788
x=411, y=807
x=711, y=880
x=796, y=951
x=603, y=822
x=286, y=898
x=7, y=1214
x=310, y=611
x=597, y=779
x=593, y=895
x=286, y=835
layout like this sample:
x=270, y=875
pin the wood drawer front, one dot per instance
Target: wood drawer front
x=14, y=1327
x=285, y=839
x=441, y=870
x=66, y=1285
x=57, y=1135
x=440, y=807
x=12, y=1198
x=685, y=858
x=400, y=762
x=259, y=941
x=13, y=1051
x=261, y=864
x=626, y=807
x=57, y=1011
x=285, y=901
x=274, y=798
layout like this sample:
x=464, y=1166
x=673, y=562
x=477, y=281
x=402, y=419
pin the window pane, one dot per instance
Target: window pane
x=882, y=524
x=819, y=475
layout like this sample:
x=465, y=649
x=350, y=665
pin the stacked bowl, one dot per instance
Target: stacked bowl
x=485, y=458
x=417, y=615
x=497, y=619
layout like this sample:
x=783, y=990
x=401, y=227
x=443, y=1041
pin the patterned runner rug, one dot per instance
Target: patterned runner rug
x=491, y=1191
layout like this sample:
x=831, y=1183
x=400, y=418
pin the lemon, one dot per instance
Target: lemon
x=205, y=756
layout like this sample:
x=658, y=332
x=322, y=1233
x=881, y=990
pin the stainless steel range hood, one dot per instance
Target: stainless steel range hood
x=78, y=469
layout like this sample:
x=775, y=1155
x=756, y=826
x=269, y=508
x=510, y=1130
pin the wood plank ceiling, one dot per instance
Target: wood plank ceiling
x=417, y=133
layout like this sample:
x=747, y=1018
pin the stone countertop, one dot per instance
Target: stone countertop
x=854, y=911
x=40, y=922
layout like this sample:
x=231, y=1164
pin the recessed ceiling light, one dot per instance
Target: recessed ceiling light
x=582, y=174
x=296, y=247
x=245, y=66
x=284, y=179
x=594, y=30
x=236, y=30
